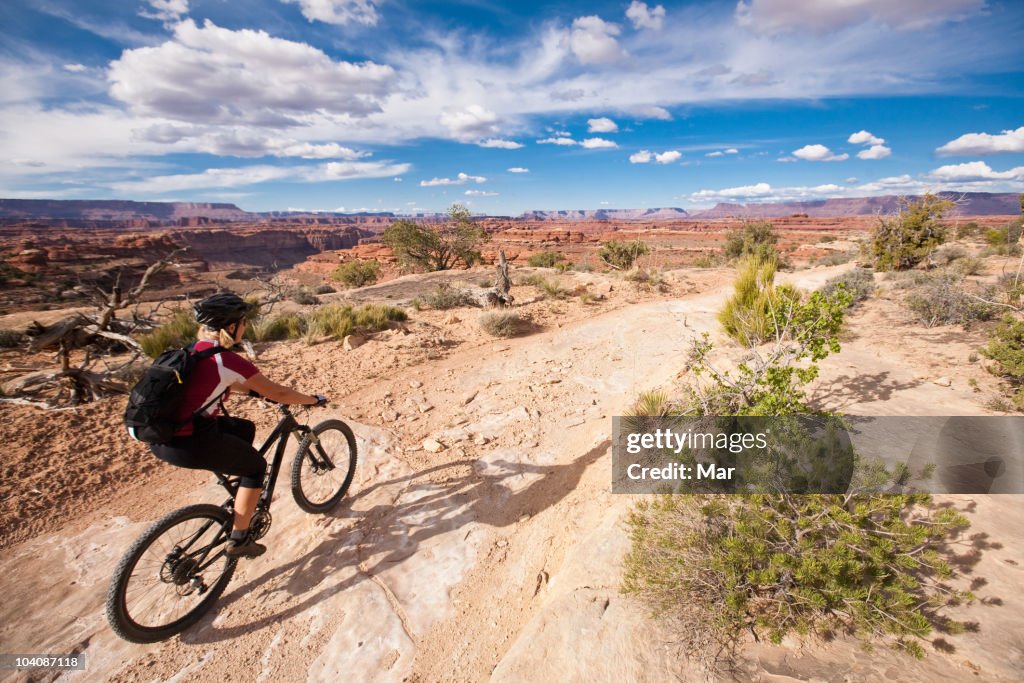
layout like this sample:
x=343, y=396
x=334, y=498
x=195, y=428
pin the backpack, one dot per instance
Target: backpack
x=152, y=412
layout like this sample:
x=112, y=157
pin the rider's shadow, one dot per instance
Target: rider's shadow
x=386, y=535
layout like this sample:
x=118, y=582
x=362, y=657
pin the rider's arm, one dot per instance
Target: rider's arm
x=274, y=391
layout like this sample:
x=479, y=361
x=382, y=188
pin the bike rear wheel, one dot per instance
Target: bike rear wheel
x=324, y=466
x=172, y=575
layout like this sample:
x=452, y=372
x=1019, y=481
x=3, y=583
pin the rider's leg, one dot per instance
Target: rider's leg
x=245, y=504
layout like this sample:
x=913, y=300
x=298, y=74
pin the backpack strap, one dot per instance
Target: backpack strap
x=201, y=355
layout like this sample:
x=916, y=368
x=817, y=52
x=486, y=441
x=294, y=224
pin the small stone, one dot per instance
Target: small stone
x=389, y=416
x=415, y=384
x=468, y=398
x=451, y=319
x=353, y=341
x=432, y=446
x=481, y=440
x=943, y=382
x=425, y=407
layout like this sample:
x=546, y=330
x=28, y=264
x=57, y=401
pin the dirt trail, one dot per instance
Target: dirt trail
x=495, y=558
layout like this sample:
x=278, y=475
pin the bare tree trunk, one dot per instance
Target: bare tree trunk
x=498, y=296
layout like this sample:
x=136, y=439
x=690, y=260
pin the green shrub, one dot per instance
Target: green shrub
x=940, y=299
x=705, y=261
x=181, y=329
x=1010, y=288
x=622, y=255
x=437, y=247
x=304, y=297
x=277, y=328
x=801, y=564
x=949, y=253
x=968, y=230
x=357, y=273
x=324, y=289
x=969, y=265
x=904, y=240
x=1006, y=348
x=500, y=324
x=749, y=316
x=373, y=317
x=545, y=259
x=827, y=239
x=11, y=338
x=859, y=282
x=751, y=239
x=1005, y=238
x=446, y=296
x=340, y=321
x=550, y=288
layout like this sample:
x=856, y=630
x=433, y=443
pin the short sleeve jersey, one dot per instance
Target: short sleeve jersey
x=208, y=379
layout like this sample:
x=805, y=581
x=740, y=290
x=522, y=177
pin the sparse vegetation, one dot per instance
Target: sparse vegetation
x=437, y=247
x=858, y=282
x=304, y=297
x=340, y=321
x=647, y=279
x=1006, y=349
x=749, y=316
x=836, y=258
x=904, y=240
x=756, y=239
x=551, y=288
x=324, y=289
x=357, y=273
x=1005, y=241
x=181, y=329
x=949, y=253
x=968, y=230
x=446, y=296
x=11, y=338
x=546, y=259
x=622, y=255
x=940, y=299
x=706, y=261
x=500, y=323
x=969, y=265
x=277, y=328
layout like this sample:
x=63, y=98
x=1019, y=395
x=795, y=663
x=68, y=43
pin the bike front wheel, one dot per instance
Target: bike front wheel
x=171, y=575
x=324, y=466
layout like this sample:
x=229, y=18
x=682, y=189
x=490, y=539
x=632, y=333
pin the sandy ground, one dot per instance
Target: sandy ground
x=495, y=559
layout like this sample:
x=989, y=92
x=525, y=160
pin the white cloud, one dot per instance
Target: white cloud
x=518, y=169
x=598, y=143
x=216, y=75
x=984, y=143
x=668, y=157
x=764, y=192
x=252, y=175
x=775, y=16
x=818, y=153
x=557, y=141
x=593, y=40
x=975, y=170
x=460, y=179
x=498, y=143
x=75, y=68
x=865, y=138
x=659, y=113
x=602, y=125
x=644, y=17
x=874, y=152
x=851, y=180
x=471, y=122
x=641, y=157
x=241, y=141
x=715, y=154
x=742, y=192
x=165, y=10
x=480, y=193
x=732, y=150
x=339, y=12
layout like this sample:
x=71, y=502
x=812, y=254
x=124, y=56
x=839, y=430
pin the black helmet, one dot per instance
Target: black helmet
x=221, y=310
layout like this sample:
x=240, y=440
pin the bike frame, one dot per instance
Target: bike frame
x=284, y=429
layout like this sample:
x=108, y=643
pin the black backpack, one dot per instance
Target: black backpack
x=152, y=412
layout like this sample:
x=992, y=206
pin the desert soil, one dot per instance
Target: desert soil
x=497, y=558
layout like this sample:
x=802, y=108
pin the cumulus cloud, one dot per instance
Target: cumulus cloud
x=460, y=179
x=732, y=150
x=74, y=68
x=471, y=122
x=775, y=16
x=864, y=138
x=722, y=152
x=165, y=10
x=984, y=143
x=498, y=143
x=646, y=157
x=560, y=140
x=602, y=125
x=593, y=40
x=715, y=154
x=645, y=17
x=818, y=153
x=659, y=113
x=741, y=192
x=518, y=169
x=668, y=157
x=641, y=157
x=598, y=143
x=874, y=152
x=217, y=75
x=764, y=192
x=241, y=142
x=975, y=170
x=480, y=193
x=338, y=12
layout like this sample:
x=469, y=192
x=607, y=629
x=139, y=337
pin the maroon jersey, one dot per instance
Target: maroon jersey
x=207, y=380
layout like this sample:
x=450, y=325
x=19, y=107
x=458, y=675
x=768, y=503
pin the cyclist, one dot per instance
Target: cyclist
x=219, y=443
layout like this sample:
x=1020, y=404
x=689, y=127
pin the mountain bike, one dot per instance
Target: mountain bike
x=175, y=572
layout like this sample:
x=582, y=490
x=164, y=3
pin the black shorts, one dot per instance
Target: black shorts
x=223, y=444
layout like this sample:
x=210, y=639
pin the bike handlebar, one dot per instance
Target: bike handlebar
x=321, y=400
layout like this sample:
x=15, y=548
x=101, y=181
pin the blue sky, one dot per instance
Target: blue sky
x=385, y=105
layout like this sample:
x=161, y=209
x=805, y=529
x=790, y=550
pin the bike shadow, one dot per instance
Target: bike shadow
x=455, y=494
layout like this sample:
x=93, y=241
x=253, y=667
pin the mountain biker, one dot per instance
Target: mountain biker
x=219, y=443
